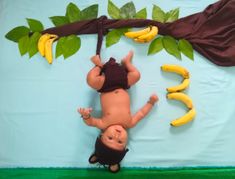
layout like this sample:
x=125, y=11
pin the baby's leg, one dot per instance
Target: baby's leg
x=133, y=74
x=94, y=79
x=96, y=60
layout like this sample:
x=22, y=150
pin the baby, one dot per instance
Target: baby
x=111, y=80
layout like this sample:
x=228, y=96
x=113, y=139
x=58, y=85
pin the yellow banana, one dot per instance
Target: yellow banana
x=135, y=34
x=184, y=119
x=42, y=40
x=181, y=97
x=141, y=40
x=150, y=35
x=179, y=87
x=48, y=50
x=177, y=69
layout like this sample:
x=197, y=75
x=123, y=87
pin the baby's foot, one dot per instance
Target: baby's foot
x=127, y=59
x=96, y=60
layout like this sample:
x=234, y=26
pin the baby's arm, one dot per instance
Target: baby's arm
x=144, y=110
x=89, y=120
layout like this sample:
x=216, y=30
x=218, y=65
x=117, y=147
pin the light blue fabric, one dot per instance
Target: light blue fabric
x=39, y=125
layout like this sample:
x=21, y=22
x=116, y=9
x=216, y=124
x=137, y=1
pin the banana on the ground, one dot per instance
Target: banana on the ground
x=180, y=87
x=184, y=119
x=134, y=34
x=48, y=50
x=174, y=93
x=181, y=97
x=42, y=40
x=176, y=69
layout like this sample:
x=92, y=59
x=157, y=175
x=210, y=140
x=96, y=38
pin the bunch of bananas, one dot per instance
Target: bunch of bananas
x=45, y=46
x=144, y=35
x=175, y=92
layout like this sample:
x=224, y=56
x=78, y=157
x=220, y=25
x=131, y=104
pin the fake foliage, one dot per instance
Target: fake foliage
x=27, y=36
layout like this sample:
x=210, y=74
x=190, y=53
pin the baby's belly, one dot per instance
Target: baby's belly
x=118, y=98
x=116, y=107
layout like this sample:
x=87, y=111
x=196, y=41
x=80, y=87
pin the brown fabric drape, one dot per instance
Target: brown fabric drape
x=211, y=32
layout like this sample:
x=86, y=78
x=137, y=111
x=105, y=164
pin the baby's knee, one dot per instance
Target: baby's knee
x=95, y=82
x=133, y=77
x=136, y=76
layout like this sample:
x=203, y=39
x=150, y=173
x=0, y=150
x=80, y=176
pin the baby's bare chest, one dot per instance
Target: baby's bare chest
x=116, y=108
x=118, y=98
x=123, y=119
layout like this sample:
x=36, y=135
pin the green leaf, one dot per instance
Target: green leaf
x=155, y=46
x=59, y=46
x=33, y=44
x=71, y=45
x=123, y=30
x=158, y=14
x=90, y=12
x=114, y=36
x=186, y=48
x=73, y=13
x=23, y=45
x=35, y=25
x=113, y=10
x=59, y=20
x=128, y=11
x=171, y=46
x=142, y=14
x=16, y=33
x=172, y=15
x=68, y=46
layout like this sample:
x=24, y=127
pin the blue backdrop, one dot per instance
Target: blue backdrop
x=39, y=125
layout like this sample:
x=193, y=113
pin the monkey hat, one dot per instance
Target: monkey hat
x=107, y=156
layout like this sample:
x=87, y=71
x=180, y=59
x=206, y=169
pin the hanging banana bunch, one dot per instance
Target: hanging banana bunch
x=45, y=43
x=143, y=36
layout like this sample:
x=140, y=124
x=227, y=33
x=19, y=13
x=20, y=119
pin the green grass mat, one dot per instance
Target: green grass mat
x=125, y=173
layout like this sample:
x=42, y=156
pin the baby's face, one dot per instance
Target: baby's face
x=115, y=137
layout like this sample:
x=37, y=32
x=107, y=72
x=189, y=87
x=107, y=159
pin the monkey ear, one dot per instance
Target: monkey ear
x=93, y=159
x=114, y=168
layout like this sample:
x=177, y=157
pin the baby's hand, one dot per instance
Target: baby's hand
x=153, y=99
x=85, y=112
